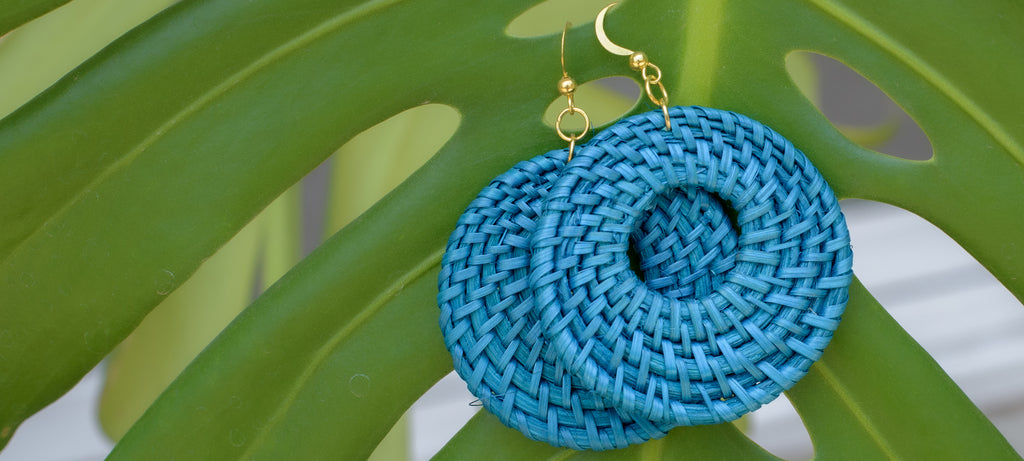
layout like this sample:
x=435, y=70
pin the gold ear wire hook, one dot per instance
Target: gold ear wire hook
x=561, y=50
x=566, y=87
x=637, y=61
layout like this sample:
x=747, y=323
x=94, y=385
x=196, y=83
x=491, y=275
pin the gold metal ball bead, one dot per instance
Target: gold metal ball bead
x=566, y=86
x=638, y=60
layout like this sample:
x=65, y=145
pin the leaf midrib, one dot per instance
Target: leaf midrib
x=862, y=418
x=273, y=55
x=927, y=73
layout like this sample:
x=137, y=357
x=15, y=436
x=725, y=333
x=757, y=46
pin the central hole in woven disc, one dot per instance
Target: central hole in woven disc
x=634, y=260
x=685, y=244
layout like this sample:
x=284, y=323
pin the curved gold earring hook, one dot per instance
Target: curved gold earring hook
x=567, y=86
x=603, y=37
x=561, y=53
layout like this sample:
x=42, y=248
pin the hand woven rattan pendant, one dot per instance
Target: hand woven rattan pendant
x=699, y=359
x=564, y=338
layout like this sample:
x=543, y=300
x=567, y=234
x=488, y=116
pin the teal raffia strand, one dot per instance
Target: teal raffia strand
x=565, y=338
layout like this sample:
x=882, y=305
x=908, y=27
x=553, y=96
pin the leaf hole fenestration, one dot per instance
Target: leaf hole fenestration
x=438, y=415
x=857, y=107
x=349, y=182
x=777, y=427
x=952, y=306
x=369, y=165
x=549, y=17
x=605, y=100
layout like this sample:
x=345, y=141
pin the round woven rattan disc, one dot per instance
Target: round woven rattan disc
x=706, y=358
x=487, y=317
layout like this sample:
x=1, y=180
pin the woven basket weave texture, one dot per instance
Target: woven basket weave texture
x=704, y=359
x=551, y=326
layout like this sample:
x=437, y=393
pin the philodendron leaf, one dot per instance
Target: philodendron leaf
x=364, y=170
x=189, y=318
x=172, y=138
x=876, y=393
x=176, y=330
x=328, y=392
x=38, y=54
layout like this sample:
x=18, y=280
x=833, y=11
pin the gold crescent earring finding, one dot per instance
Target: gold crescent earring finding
x=638, y=61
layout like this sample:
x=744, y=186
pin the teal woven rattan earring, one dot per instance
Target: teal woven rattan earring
x=560, y=339
x=487, y=310
x=693, y=359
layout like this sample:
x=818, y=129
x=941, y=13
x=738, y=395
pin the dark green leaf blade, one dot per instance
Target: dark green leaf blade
x=157, y=171
x=174, y=332
x=355, y=371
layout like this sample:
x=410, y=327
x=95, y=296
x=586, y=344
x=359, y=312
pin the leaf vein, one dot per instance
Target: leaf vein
x=861, y=417
x=202, y=101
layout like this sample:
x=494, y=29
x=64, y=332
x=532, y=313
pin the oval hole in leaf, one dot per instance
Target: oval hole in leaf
x=377, y=160
x=439, y=414
x=777, y=427
x=549, y=17
x=604, y=100
x=949, y=303
x=856, y=107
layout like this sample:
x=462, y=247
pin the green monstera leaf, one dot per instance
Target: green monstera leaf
x=118, y=181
